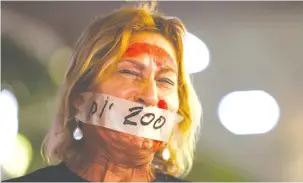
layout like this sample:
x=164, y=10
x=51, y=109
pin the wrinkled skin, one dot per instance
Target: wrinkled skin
x=147, y=73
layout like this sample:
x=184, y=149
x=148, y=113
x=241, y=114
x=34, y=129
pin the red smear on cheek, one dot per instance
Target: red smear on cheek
x=162, y=104
x=140, y=48
x=157, y=145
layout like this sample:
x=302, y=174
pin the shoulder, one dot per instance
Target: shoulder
x=47, y=174
x=41, y=175
x=162, y=177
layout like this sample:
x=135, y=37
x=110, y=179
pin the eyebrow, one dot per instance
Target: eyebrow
x=140, y=66
x=168, y=69
x=135, y=63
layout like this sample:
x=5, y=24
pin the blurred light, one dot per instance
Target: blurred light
x=165, y=154
x=18, y=160
x=8, y=120
x=248, y=112
x=58, y=63
x=196, y=54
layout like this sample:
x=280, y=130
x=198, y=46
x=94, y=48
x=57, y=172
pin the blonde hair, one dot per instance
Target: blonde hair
x=101, y=44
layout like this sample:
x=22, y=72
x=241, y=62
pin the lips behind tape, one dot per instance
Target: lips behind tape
x=126, y=116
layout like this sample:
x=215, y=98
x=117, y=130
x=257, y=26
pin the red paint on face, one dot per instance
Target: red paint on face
x=162, y=104
x=140, y=48
x=159, y=54
x=158, y=144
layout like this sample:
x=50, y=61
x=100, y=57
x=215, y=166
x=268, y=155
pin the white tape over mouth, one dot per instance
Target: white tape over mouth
x=126, y=116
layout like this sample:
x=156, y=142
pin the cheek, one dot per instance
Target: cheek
x=117, y=87
x=172, y=101
x=122, y=88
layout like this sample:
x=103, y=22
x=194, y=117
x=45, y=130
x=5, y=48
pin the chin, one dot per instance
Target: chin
x=126, y=142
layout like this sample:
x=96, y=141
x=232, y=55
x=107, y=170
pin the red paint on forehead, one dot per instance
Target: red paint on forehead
x=140, y=48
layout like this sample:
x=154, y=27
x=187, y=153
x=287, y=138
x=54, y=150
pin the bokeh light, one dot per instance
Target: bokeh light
x=8, y=120
x=196, y=54
x=18, y=160
x=165, y=154
x=248, y=112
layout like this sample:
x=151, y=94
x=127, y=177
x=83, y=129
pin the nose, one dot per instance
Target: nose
x=148, y=94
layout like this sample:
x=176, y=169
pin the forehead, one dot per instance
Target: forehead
x=154, y=39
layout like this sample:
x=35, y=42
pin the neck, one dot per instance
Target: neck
x=108, y=164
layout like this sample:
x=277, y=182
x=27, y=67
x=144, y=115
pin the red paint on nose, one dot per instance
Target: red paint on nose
x=162, y=104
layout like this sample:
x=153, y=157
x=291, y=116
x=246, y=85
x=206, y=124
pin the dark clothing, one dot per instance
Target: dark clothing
x=61, y=173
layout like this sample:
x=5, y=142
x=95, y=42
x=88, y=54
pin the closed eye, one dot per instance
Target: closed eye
x=166, y=80
x=130, y=72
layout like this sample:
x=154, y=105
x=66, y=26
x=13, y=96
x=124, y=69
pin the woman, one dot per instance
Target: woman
x=130, y=57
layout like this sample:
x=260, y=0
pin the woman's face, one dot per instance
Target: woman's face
x=147, y=73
